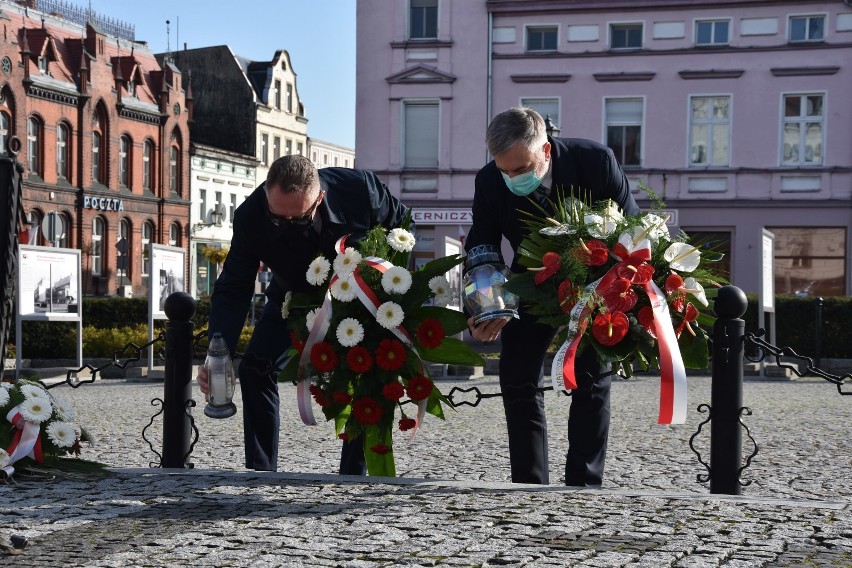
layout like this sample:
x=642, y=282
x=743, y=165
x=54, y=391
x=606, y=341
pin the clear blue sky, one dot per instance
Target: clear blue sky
x=318, y=34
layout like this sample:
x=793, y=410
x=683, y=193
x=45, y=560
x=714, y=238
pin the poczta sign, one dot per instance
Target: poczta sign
x=103, y=203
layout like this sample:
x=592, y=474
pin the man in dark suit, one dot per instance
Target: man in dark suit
x=285, y=223
x=528, y=165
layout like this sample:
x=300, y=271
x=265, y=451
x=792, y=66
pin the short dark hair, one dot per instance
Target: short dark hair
x=292, y=174
x=517, y=125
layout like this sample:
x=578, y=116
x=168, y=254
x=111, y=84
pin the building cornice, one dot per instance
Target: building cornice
x=711, y=74
x=421, y=43
x=540, y=78
x=804, y=71
x=624, y=76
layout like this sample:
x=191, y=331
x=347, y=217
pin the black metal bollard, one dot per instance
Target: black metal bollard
x=817, y=331
x=726, y=397
x=177, y=428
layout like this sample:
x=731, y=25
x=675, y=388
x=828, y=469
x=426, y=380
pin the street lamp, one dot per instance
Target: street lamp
x=551, y=129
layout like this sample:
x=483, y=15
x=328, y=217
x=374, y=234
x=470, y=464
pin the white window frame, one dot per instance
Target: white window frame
x=98, y=230
x=809, y=17
x=541, y=26
x=5, y=127
x=417, y=102
x=557, y=120
x=63, y=135
x=714, y=22
x=709, y=123
x=147, y=235
x=124, y=145
x=34, y=136
x=802, y=120
x=147, y=157
x=264, y=149
x=609, y=30
x=124, y=232
x=643, y=130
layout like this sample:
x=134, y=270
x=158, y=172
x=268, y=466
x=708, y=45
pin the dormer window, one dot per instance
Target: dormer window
x=131, y=88
x=42, y=64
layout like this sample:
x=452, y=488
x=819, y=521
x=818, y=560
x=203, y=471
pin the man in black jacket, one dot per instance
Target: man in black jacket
x=285, y=223
x=528, y=165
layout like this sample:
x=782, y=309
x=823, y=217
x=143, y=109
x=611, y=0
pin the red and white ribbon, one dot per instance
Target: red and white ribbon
x=25, y=443
x=672, y=371
x=316, y=334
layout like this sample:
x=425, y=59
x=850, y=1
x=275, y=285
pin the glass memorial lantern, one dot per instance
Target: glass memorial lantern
x=484, y=295
x=221, y=378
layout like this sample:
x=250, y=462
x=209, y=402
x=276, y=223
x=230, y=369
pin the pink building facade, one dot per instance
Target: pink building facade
x=735, y=113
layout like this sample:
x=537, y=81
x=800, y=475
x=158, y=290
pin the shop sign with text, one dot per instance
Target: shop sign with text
x=442, y=216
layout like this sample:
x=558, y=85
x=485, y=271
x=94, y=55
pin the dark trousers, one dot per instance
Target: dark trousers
x=525, y=343
x=259, y=387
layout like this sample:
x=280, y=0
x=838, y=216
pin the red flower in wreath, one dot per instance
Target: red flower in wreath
x=690, y=315
x=610, y=328
x=592, y=253
x=359, y=359
x=367, y=411
x=567, y=296
x=620, y=297
x=646, y=320
x=390, y=354
x=343, y=436
x=341, y=397
x=550, y=265
x=319, y=396
x=430, y=333
x=419, y=388
x=297, y=343
x=323, y=357
x=380, y=449
x=635, y=272
x=407, y=424
x=673, y=283
x=393, y=391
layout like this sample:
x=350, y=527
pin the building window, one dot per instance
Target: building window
x=314, y=157
x=346, y=163
x=122, y=250
x=300, y=148
x=218, y=208
x=233, y=209
x=289, y=97
x=710, y=129
x=97, y=246
x=423, y=19
x=147, y=235
x=625, y=36
x=624, y=130
x=810, y=261
x=278, y=94
x=174, y=234
x=276, y=147
x=541, y=38
x=4, y=132
x=42, y=65
x=174, y=169
x=34, y=145
x=544, y=107
x=803, y=130
x=325, y=159
x=264, y=154
x=63, y=240
x=97, y=158
x=62, y=161
x=202, y=206
x=147, y=165
x=807, y=28
x=335, y=161
x=124, y=159
x=288, y=146
x=34, y=220
x=420, y=135
x=712, y=32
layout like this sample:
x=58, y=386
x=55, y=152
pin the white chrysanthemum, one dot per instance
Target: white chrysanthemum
x=5, y=385
x=63, y=408
x=318, y=270
x=691, y=286
x=683, y=257
x=36, y=409
x=4, y=458
x=31, y=391
x=656, y=227
x=62, y=434
x=350, y=332
x=343, y=289
x=442, y=300
x=599, y=226
x=390, y=315
x=311, y=318
x=4, y=397
x=396, y=280
x=285, y=305
x=439, y=285
x=400, y=240
x=346, y=263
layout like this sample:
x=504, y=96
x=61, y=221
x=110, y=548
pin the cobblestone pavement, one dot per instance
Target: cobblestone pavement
x=453, y=505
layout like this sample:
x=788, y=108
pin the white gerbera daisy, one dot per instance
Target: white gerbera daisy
x=318, y=270
x=396, y=280
x=63, y=408
x=285, y=305
x=346, y=263
x=439, y=285
x=62, y=434
x=311, y=318
x=691, y=286
x=683, y=257
x=4, y=397
x=5, y=385
x=400, y=240
x=390, y=315
x=31, y=391
x=36, y=409
x=350, y=332
x=343, y=289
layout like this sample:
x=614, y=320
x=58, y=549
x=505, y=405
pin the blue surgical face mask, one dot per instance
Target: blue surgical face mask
x=522, y=184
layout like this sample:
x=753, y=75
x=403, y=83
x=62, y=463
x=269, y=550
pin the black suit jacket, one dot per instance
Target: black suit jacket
x=582, y=164
x=355, y=201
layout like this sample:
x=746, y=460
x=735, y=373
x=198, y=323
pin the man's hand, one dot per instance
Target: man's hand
x=488, y=330
x=203, y=381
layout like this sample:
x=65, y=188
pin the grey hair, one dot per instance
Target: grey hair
x=292, y=174
x=518, y=125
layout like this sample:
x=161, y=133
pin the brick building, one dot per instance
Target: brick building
x=104, y=140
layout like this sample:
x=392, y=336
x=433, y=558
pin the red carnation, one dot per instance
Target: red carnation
x=407, y=424
x=430, y=333
x=380, y=449
x=390, y=354
x=550, y=265
x=359, y=359
x=367, y=411
x=610, y=328
x=592, y=253
x=296, y=342
x=393, y=391
x=567, y=296
x=419, y=388
x=323, y=357
x=341, y=397
x=620, y=297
